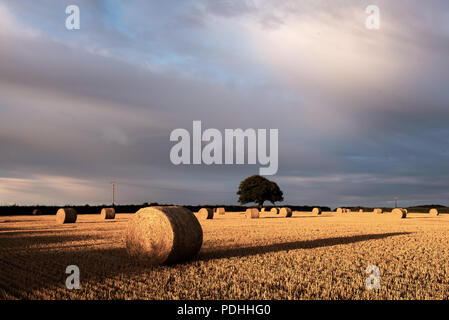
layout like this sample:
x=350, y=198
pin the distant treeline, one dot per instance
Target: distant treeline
x=415, y=209
x=243, y=208
x=426, y=208
x=16, y=210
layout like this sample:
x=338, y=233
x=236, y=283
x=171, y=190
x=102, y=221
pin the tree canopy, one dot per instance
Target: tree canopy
x=259, y=189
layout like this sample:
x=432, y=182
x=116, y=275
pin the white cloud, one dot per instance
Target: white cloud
x=10, y=26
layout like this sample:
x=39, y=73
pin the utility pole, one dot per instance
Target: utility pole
x=113, y=193
x=395, y=202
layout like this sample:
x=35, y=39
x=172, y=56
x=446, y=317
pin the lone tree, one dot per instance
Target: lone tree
x=259, y=189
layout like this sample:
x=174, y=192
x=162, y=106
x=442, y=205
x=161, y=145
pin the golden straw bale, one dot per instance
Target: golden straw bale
x=205, y=213
x=66, y=215
x=163, y=235
x=107, y=213
x=434, y=212
x=252, y=213
x=285, y=212
x=401, y=212
x=220, y=211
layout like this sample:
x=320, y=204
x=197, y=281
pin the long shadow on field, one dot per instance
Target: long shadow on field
x=15, y=221
x=308, y=244
x=56, y=228
x=26, y=241
x=39, y=269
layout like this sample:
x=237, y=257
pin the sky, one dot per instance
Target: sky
x=362, y=114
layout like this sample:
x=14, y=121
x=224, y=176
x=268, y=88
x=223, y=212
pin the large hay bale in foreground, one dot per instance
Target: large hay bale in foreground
x=107, y=213
x=274, y=211
x=252, y=213
x=378, y=210
x=434, y=212
x=66, y=215
x=285, y=212
x=205, y=213
x=339, y=210
x=401, y=212
x=316, y=211
x=36, y=212
x=162, y=235
x=220, y=211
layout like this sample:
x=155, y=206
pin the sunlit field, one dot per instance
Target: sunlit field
x=302, y=257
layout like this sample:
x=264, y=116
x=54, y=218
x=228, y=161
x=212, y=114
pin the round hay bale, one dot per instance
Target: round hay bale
x=316, y=211
x=36, y=212
x=434, y=212
x=107, y=213
x=220, y=211
x=378, y=210
x=66, y=215
x=339, y=210
x=285, y=212
x=252, y=213
x=263, y=210
x=361, y=210
x=205, y=213
x=274, y=211
x=163, y=235
x=400, y=211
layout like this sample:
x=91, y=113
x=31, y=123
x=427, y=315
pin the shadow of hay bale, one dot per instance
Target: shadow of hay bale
x=286, y=246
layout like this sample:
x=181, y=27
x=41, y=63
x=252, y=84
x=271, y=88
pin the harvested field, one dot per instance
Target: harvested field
x=302, y=257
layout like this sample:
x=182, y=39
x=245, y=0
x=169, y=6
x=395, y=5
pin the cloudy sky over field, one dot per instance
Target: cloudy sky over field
x=362, y=115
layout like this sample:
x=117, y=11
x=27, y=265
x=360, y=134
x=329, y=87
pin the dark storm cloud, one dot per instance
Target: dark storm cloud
x=362, y=117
